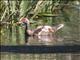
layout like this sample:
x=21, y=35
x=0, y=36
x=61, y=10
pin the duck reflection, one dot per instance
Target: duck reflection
x=42, y=40
x=46, y=38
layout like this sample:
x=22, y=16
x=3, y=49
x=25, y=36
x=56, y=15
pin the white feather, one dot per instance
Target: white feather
x=60, y=26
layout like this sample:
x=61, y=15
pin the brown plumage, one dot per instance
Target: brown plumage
x=40, y=30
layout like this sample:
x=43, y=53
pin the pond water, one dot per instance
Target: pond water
x=59, y=56
x=15, y=36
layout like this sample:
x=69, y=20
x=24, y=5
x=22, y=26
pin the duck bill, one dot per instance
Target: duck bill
x=18, y=23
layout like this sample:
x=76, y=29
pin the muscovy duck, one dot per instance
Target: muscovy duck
x=40, y=30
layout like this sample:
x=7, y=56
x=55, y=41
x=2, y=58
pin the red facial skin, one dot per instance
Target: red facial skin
x=47, y=29
x=23, y=20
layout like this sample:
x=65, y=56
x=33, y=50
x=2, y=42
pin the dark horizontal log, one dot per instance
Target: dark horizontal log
x=40, y=49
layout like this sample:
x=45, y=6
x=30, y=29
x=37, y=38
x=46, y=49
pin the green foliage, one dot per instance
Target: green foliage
x=25, y=4
x=43, y=13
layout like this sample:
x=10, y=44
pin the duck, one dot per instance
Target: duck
x=40, y=30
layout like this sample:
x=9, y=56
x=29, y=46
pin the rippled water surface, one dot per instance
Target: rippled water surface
x=17, y=37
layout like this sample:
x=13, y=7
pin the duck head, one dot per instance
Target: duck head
x=25, y=24
x=23, y=21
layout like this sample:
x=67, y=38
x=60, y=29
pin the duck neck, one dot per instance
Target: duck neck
x=26, y=28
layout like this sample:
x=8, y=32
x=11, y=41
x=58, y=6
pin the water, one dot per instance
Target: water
x=69, y=35
x=15, y=36
x=59, y=56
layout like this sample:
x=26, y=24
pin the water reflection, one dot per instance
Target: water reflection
x=17, y=37
x=49, y=56
x=43, y=40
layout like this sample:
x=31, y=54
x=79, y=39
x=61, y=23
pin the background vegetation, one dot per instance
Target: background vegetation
x=40, y=12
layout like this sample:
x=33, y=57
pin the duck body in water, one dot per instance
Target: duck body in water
x=40, y=30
